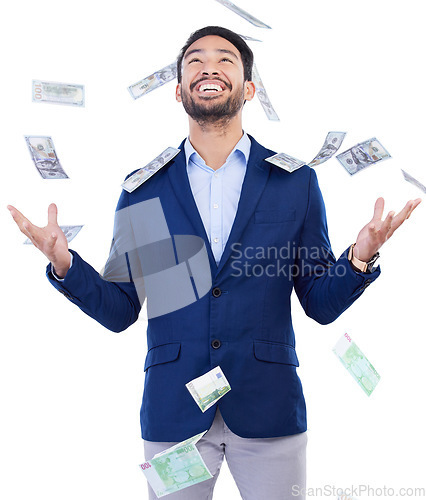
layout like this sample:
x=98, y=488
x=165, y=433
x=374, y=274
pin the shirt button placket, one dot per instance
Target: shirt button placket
x=216, y=215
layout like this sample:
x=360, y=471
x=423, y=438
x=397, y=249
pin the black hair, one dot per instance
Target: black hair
x=236, y=40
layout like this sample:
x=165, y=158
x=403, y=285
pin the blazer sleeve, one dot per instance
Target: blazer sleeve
x=325, y=287
x=111, y=298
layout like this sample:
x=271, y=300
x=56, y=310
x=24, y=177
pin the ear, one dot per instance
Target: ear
x=249, y=90
x=178, y=92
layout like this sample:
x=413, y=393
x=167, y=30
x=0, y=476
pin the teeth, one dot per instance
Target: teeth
x=210, y=86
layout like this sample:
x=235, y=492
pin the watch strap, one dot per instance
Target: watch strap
x=360, y=265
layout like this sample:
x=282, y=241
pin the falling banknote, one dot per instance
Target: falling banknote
x=69, y=231
x=356, y=364
x=45, y=158
x=249, y=38
x=263, y=96
x=363, y=155
x=144, y=173
x=285, y=162
x=413, y=181
x=176, y=468
x=332, y=143
x=208, y=388
x=153, y=81
x=58, y=93
x=248, y=17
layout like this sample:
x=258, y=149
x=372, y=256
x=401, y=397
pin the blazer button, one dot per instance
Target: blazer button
x=216, y=292
x=216, y=344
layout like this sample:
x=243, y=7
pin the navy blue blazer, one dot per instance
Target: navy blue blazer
x=279, y=241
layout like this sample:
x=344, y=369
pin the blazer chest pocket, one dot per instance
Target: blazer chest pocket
x=275, y=353
x=274, y=216
x=160, y=354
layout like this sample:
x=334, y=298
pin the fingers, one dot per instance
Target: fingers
x=372, y=228
x=416, y=203
x=378, y=208
x=52, y=240
x=404, y=214
x=29, y=230
x=19, y=218
x=34, y=233
x=387, y=227
x=52, y=214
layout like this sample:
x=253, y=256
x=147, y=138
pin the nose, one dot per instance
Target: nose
x=210, y=68
x=208, y=73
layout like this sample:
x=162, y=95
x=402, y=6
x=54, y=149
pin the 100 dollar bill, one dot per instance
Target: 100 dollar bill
x=176, y=468
x=413, y=181
x=263, y=96
x=332, y=143
x=144, y=173
x=152, y=82
x=285, y=161
x=58, y=93
x=69, y=231
x=44, y=157
x=356, y=364
x=363, y=155
x=244, y=14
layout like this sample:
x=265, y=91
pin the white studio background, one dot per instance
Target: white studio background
x=70, y=389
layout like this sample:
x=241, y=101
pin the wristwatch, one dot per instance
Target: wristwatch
x=359, y=265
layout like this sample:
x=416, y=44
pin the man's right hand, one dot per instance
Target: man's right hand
x=49, y=239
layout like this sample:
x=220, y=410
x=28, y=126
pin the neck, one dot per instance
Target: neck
x=214, y=142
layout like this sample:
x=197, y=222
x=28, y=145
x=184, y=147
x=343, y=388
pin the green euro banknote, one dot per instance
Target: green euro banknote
x=176, y=468
x=208, y=388
x=356, y=364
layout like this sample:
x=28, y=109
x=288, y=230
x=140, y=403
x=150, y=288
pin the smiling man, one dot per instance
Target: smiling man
x=220, y=188
x=211, y=88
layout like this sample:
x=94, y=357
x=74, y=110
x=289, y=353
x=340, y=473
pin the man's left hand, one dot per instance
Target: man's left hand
x=376, y=232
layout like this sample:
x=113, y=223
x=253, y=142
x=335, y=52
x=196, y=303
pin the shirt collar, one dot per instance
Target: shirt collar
x=243, y=145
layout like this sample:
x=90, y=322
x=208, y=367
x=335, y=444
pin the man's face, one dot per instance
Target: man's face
x=213, y=87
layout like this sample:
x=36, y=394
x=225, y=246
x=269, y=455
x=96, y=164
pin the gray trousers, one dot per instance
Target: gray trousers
x=263, y=468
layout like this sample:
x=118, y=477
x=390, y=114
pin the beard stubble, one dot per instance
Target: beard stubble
x=218, y=114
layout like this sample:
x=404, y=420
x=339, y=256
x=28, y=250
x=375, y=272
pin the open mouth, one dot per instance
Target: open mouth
x=210, y=87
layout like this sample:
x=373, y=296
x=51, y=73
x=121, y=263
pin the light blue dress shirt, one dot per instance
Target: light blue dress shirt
x=217, y=192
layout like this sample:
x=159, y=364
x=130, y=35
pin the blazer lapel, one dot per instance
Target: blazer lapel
x=180, y=183
x=254, y=183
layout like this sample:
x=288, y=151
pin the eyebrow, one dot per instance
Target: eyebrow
x=223, y=51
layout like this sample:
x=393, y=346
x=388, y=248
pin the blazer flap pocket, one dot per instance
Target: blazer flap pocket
x=274, y=216
x=162, y=354
x=275, y=353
